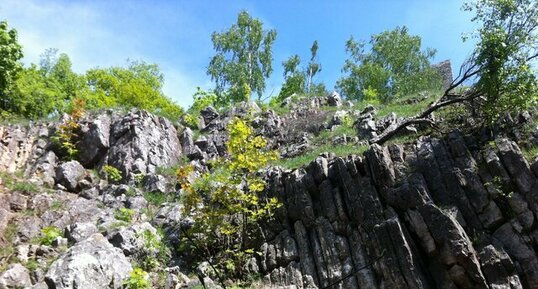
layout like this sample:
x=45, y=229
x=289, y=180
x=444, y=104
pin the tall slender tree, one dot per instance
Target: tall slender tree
x=313, y=66
x=243, y=59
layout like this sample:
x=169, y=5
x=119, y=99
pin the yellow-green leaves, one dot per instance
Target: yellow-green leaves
x=227, y=202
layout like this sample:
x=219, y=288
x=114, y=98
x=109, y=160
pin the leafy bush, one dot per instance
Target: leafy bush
x=124, y=214
x=138, y=85
x=191, y=120
x=155, y=252
x=49, y=234
x=112, y=173
x=67, y=133
x=227, y=202
x=138, y=279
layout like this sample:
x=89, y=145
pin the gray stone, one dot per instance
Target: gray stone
x=157, y=183
x=95, y=139
x=334, y=99
x=130, y=240
x=80, y=231
x=18, y=202
x=92, y=263
x=189, y=148
x=209, y=114
x=69, y=174
x=16, y=276
x=140, y=143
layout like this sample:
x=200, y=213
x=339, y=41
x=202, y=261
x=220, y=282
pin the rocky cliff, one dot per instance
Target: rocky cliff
x=450, y=212
x=438, y=213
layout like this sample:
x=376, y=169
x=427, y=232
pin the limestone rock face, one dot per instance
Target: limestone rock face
x=445, y=212
x=424, y=216
x=92, y=263
x=141, y=142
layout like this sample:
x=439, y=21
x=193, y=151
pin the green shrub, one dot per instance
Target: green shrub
x=124, y=214
x=66, y=135
x=155, y=252
x=138, y=279
x=112, y=174
x=49, y=234
x=227, y=202
x=191, y=120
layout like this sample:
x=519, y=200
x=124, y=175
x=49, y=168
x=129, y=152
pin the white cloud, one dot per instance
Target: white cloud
x=92, y=35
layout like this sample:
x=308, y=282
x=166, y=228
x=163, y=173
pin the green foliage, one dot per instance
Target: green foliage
x=530, y=153
x=138, y=279
x=294, y=78
x=227, y=202
x=124, y=214
x=505, y=55
x=370, y=95
x=313, y=67
x=191, y=120
x=243, y=59
x=112, y=173
x=138, y=85
x=393, y=67
x=202, y=99
x=308, y=157
x=66, y=135
x=47, y=89
x=49, y=234
x=11, y=53
x=157, y=198
x=301, y=81
x=25, y=187
x=155, y=252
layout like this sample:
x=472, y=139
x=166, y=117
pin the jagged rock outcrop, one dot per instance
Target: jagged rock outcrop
x=141, y=142
x=138, y=142
x=92, y=263
x=428, y=215
x=448, y=212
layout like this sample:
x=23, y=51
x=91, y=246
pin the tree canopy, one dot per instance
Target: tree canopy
x=395, y=65
x=504, y=60
x=301, y=81
x=11, y=53
x=243, y=59
x=137, y=85
x=501, y=70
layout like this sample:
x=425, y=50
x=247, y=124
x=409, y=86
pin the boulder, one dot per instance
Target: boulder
x=130, y=240
x=334, y=99
x=95, y=139
x=92, y=263
x=209, y=114
x=156, y=183
x=69, y=174
x=80, y=231
x=191, y=150
x=16, y=276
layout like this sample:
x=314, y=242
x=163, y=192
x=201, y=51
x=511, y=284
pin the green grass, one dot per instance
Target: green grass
x=158, y=198
x=302, y=160
x=402, y=109
x=57, y=205
x=530, y=153
x=11, y=181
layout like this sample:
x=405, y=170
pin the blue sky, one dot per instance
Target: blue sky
x=176, y=34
